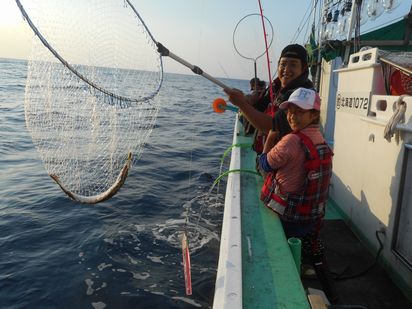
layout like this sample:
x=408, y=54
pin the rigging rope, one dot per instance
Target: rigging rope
x=397, y=117
x=304, y=21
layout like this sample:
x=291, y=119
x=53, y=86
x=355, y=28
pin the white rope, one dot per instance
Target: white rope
x=397, y=117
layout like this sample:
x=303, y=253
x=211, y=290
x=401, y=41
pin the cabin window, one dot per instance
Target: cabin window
x=403, y=220
x=355, y=59
x=367, y=57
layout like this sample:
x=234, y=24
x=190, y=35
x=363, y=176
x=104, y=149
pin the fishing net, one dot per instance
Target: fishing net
x=90, y=100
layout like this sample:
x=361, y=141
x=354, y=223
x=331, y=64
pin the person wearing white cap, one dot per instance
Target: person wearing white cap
x=296, y=188
x=287, y=157
x=303, y=110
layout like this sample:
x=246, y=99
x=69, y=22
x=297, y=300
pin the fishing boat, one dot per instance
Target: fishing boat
x=367, y=119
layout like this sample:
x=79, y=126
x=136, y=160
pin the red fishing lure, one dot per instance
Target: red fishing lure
x=186, y=264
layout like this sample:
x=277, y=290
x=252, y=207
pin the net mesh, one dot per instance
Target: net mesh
x=86, y=115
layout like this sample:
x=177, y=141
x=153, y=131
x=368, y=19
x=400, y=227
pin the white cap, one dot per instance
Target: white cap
x=303, y=98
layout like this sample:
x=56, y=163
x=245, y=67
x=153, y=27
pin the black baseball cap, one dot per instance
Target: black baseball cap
x=255, y=80
x=295, y=51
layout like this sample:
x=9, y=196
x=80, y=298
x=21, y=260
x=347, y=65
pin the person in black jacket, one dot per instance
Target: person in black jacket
x=257, y=90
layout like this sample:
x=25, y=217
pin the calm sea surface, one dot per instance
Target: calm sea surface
x=125, y=252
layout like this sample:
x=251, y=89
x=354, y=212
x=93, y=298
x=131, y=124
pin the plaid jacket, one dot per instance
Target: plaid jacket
x=310, y=204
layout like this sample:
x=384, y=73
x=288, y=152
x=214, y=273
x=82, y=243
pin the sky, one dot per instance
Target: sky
x=201, y=32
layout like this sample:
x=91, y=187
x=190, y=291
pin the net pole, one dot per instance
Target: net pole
x=194, y=68
x=165, y=52
x=254, y=65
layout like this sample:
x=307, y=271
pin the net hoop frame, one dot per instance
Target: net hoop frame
x=237, y=25
x=83, y=78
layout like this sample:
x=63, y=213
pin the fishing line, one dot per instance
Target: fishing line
x=223, y=69
x=229, y=149
x=217, y=181
x=190, y=181
x=221, y=175
x=185, y=235
x=235, y=171
x=193, y=130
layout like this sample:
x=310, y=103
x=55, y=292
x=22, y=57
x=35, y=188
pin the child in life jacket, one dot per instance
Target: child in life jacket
x=299, y=168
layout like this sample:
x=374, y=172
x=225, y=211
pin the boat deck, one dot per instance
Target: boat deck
x=270, y=278
x=348, y=257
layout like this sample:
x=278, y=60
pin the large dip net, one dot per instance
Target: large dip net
x=90, y=101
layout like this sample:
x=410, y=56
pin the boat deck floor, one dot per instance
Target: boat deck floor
x=347, y=257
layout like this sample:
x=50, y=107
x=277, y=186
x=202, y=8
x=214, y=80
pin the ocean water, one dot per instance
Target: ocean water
x=125, y=252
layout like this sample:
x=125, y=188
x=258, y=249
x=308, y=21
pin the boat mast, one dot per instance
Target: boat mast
x=352, y=24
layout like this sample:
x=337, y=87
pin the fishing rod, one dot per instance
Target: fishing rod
x=267, y=50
